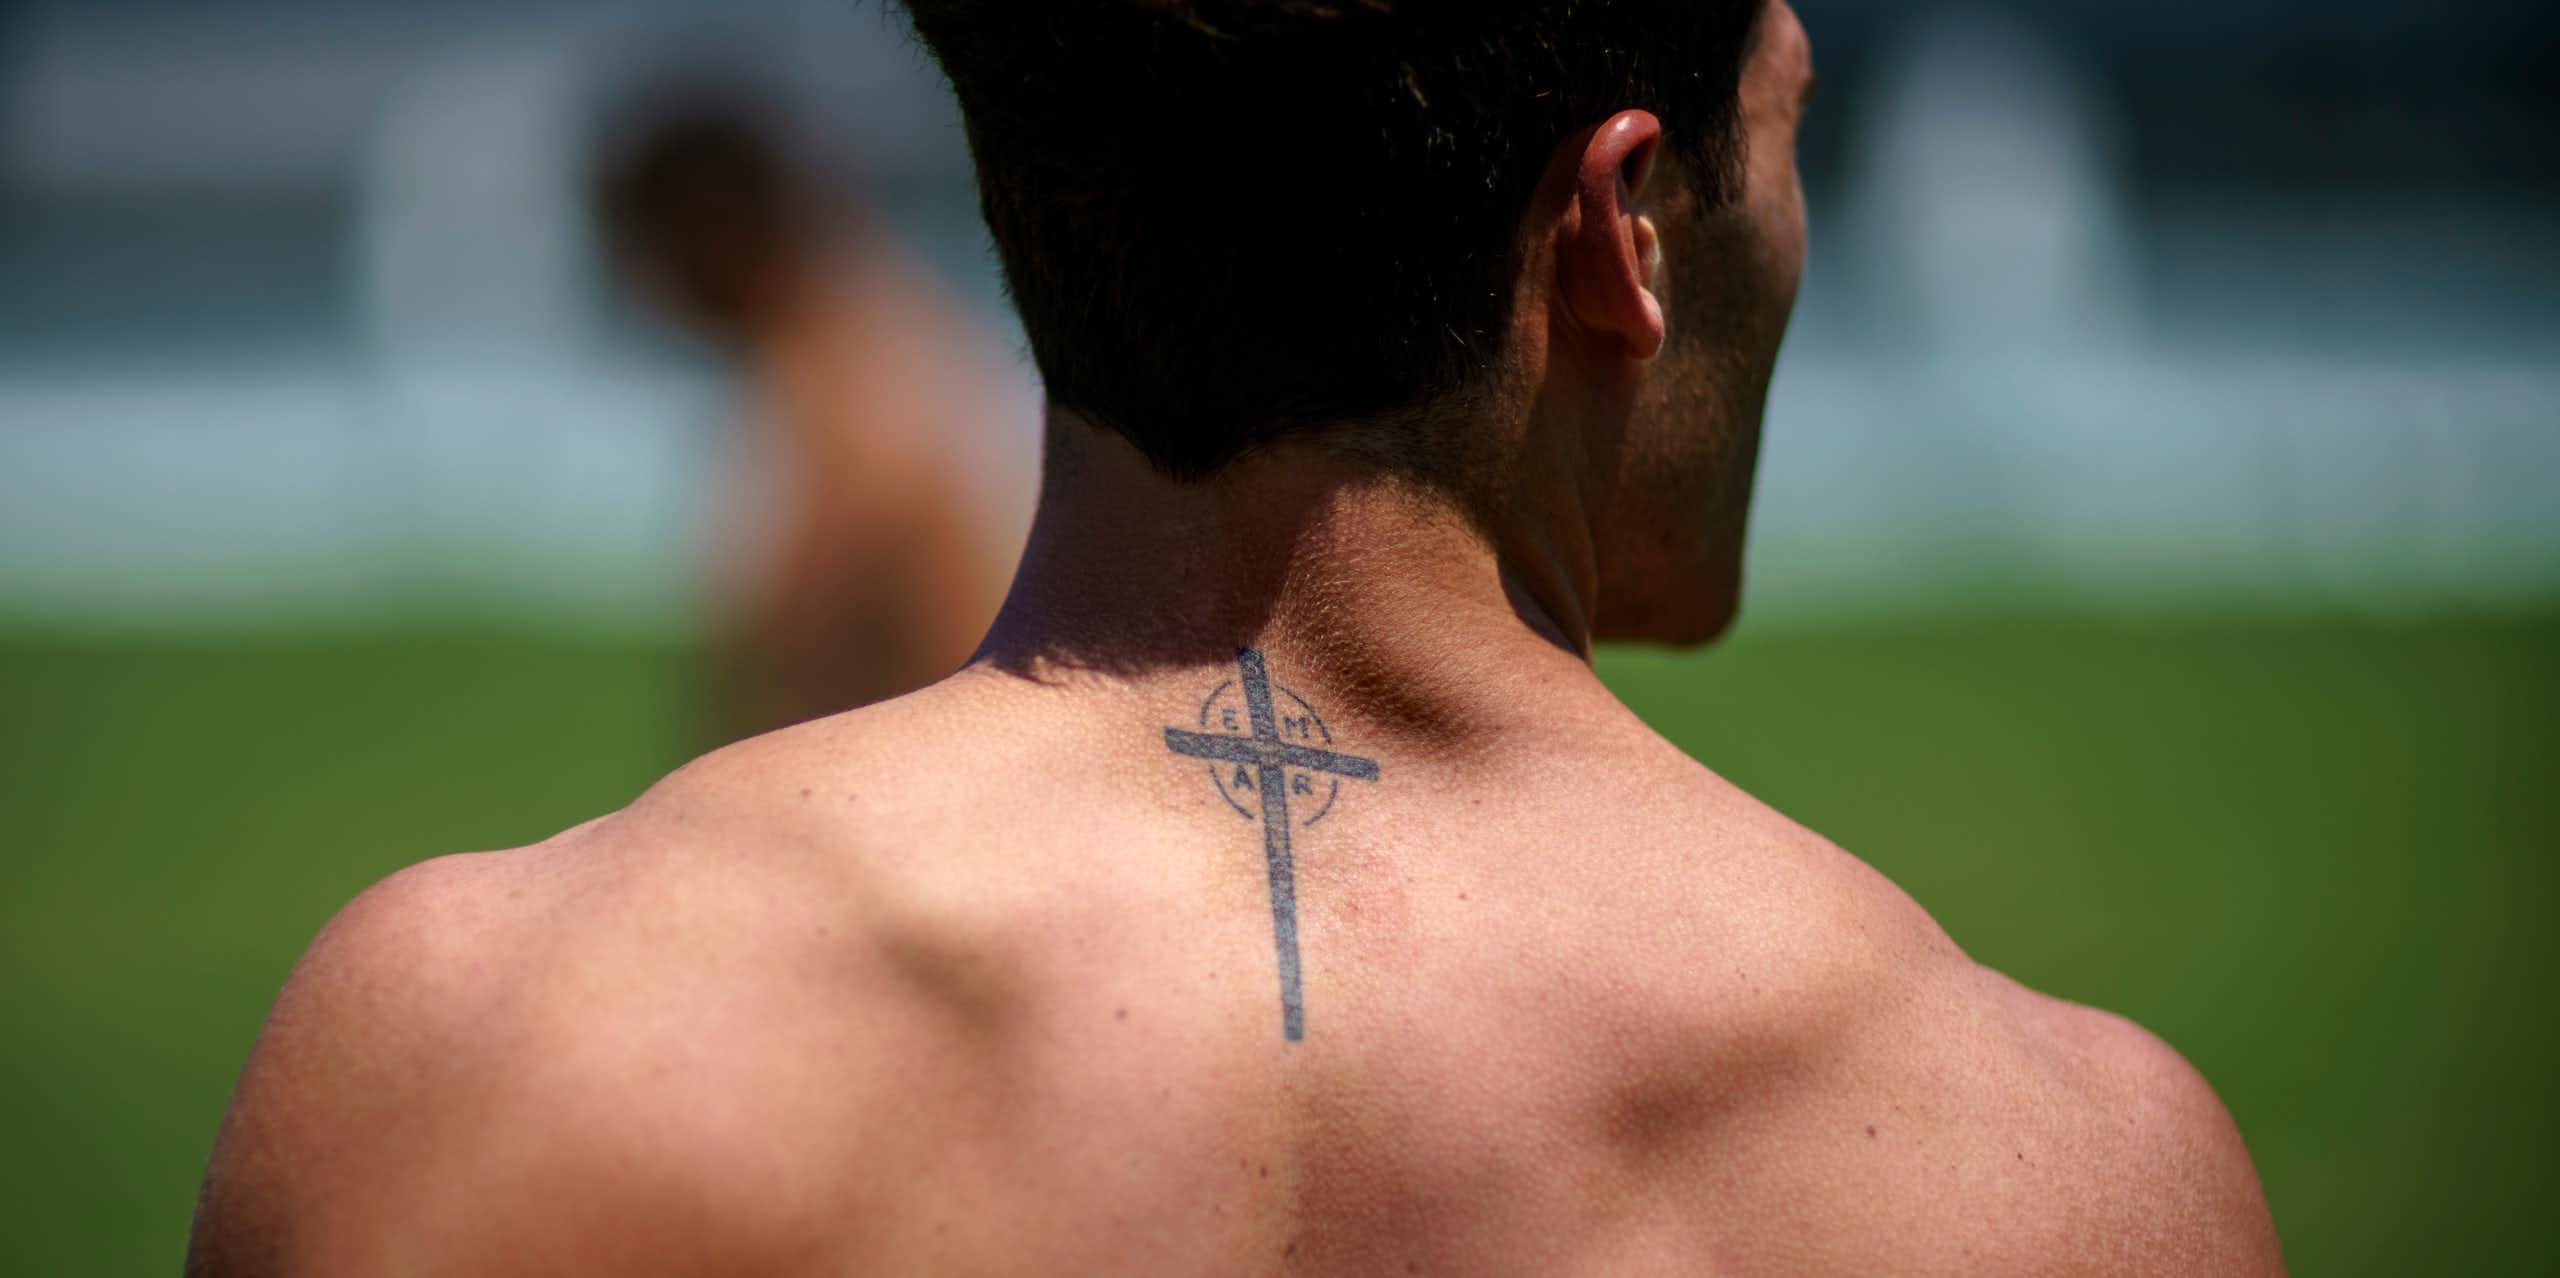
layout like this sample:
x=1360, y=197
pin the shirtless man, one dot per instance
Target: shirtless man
x=866, y=518
x=1278, y=892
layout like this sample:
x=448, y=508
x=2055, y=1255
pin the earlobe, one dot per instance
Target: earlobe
x=1611, y=251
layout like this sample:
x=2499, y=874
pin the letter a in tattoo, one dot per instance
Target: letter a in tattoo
x=1281, y=768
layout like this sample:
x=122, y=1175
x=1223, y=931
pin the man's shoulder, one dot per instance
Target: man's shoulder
x=718, y=880
x=1897, y=1070
x=2069, y=1137
x=417, y=959
x=712, y=887
x=634, y=1006
x=2165, y=1151
x=409, y=1095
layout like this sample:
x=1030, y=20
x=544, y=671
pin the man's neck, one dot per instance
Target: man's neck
x=1376, y=592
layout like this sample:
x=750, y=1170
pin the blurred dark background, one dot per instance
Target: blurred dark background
x=2157, y=568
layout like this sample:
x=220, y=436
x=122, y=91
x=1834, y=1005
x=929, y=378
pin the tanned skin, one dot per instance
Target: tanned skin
x=987, y=979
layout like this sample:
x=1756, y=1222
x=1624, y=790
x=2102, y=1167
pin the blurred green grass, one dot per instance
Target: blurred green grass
x=2314, y=855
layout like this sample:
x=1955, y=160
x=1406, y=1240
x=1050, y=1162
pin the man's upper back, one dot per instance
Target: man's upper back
x=955, y=985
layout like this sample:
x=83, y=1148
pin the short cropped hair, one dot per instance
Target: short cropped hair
x=1228, y=221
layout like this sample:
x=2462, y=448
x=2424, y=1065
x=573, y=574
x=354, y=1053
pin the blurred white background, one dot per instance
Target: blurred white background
x=301, y=314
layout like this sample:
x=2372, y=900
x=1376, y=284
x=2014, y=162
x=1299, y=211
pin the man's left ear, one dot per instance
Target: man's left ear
x=1609, y=249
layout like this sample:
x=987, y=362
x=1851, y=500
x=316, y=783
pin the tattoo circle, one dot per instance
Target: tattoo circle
x=1311, y=792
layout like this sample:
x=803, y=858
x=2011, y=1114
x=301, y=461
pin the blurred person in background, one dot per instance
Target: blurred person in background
x=1396, y=354
x=861, y=538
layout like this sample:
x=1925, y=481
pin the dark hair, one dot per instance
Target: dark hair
x=1226, y=220
x=700, y=194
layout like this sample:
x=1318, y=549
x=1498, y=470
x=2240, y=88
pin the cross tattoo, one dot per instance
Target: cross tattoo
x=1272, y=757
